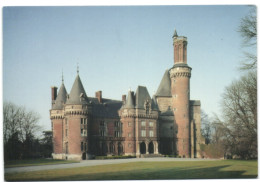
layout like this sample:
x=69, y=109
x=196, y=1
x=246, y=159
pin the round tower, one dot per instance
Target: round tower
x=57, y=119
x=127, y=113
x=77, y=112
x=180, y=82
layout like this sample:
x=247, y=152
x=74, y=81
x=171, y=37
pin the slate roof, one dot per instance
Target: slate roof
x=195, y=102
x=107, y=109
x=164, y=88
x=77, y=94
x=130, y=101
x=61, y=98
x=154, y=103
x=141, y=96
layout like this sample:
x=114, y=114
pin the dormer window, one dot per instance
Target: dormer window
x=81, y=95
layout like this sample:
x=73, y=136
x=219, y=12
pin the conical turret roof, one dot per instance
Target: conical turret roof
x=77, y=94
x=130, y=101
x=175, y=34
x=61, y=98
x=164, y=88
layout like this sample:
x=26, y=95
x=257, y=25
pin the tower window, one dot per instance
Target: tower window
x=66, y=132
x=83, y=121
x=143, y=123
x=83, y=132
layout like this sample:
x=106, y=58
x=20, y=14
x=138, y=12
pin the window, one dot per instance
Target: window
x=83, y=132
x=117, y=134
x=143, y=123
x=102, y=123
x=117, y=123
x=66, y=122
x=129, y=145
x=151, y=124
x=102, y=133
x=129, y=124
x=66, y=148
x=129, y=134
x=151, y=133
x=83, y=121
x=143, y=133
x=66, y=132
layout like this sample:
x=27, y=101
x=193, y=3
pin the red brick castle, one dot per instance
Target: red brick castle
x=167, y=123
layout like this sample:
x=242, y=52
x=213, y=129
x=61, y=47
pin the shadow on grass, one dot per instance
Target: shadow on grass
x=218, y=172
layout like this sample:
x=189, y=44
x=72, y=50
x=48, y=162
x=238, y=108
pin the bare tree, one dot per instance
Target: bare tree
x=18, y=120
x=206, y=127
x=239, y=120
x=248, y=31
x=20, y=127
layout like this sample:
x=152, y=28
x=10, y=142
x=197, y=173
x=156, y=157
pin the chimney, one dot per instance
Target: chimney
x=99, y=96
x=124, y=98
x=53, y=94
x=133, y=96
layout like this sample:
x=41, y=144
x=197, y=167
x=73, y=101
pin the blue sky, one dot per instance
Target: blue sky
x=117, y=48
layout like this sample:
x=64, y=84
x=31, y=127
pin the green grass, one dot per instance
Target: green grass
x=147, y=170
x=35, y=162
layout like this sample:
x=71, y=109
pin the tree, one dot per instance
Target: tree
x=248, y=31
x=20, y=127
x=205, y=127
x=238, y=125
x=46, y=144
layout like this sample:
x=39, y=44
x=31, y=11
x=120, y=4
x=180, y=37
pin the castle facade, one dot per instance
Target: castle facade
x=138, y=125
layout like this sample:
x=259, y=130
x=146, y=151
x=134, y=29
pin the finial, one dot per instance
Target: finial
x=77, y=68
x=175, y=34
x=62, y=77
x=129, y=89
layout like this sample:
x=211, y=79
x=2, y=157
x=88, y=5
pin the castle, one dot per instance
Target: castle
x=167, y=123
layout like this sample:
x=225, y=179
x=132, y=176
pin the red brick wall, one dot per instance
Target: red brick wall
x=129, y=140
x=74, y=135
x=180, y=89
x=57, y=136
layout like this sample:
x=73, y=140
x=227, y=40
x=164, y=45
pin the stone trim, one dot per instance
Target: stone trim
x=57, y=117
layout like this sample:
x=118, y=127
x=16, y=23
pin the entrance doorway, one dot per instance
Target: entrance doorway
x=120, y=149
x=142, y=148
x=150, y=148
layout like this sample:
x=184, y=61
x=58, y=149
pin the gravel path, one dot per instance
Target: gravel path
x=95, y=163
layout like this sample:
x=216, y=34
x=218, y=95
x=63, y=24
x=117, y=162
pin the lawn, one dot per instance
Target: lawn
x=147, y=170
x=34, y=162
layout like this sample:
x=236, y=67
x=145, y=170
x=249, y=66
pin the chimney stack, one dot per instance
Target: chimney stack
x=53, y=94
x=124, y=98
x=99, y=96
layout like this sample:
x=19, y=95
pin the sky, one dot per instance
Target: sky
x=117, y=48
